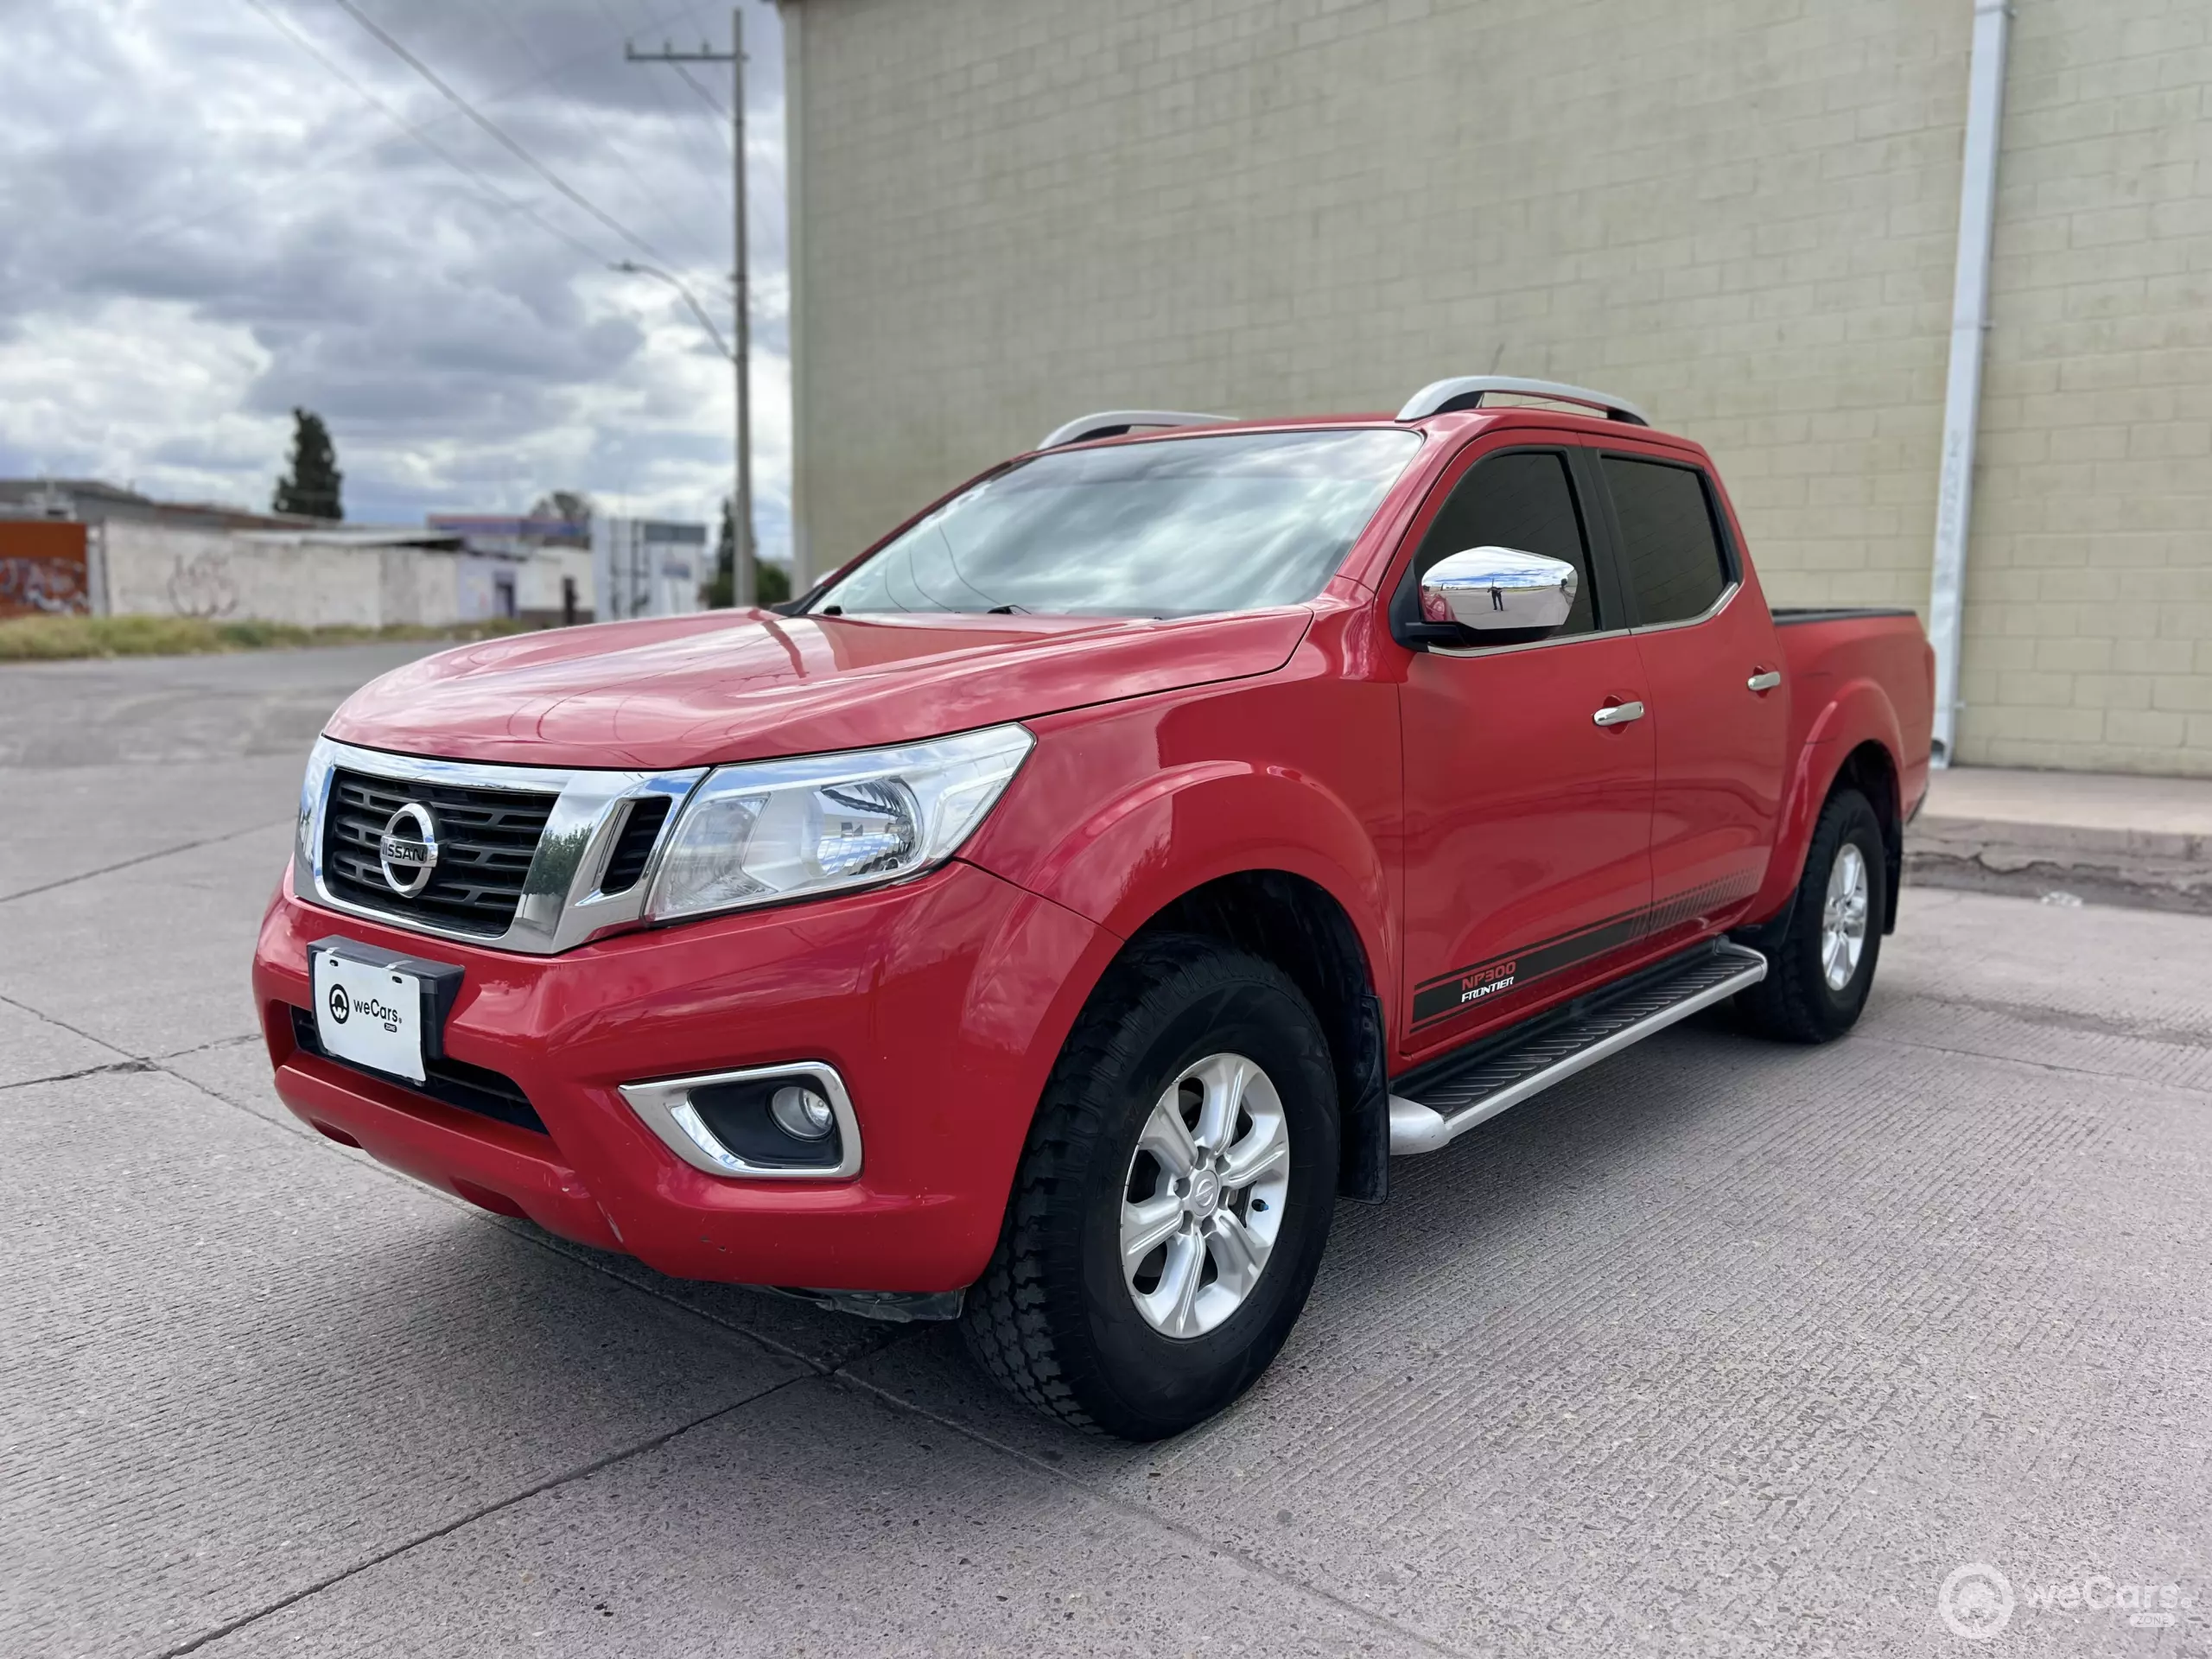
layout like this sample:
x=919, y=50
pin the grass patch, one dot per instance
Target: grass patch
x=54, y=638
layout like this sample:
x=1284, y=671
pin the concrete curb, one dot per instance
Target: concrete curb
x=2142, y=868
x=1996, y=840
x=2116, y=838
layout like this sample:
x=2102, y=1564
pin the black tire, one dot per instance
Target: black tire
x=1053, y=1319
x=1794, y=1003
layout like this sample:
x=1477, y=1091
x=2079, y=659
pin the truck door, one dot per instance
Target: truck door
x=1527, y=825
x=1711, y=673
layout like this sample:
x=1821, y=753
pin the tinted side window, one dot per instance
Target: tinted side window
x=1670, y=556
x=1522, y=501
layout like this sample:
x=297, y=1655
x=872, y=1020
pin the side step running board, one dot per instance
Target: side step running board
x=1452, y=1096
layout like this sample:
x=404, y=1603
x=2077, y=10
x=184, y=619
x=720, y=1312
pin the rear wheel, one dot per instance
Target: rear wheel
x=1173, y=1199
x=1821, y=958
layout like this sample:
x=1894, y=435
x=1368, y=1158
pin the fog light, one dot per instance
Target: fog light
x=801, y=1113
x=790, y=1121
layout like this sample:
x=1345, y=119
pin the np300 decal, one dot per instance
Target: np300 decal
x=1480, y=982
x=1484, y=981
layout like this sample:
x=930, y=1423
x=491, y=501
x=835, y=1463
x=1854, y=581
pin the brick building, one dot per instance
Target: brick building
x=1741, y=214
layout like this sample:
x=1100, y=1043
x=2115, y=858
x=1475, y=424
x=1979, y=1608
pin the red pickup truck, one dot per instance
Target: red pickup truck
x=1044, y=920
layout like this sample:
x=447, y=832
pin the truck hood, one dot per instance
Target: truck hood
x=672, y=692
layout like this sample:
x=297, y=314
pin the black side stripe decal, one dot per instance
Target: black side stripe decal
x=1484, y=980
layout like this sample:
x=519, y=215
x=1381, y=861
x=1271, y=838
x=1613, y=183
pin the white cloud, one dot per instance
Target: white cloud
x=200, y=225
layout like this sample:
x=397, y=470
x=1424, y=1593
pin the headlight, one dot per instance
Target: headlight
x=775, y=829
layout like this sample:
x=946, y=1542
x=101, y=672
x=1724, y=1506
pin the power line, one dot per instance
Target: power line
x=295, y=174
x=706, y=96
x=606, y=144
x=497, y=132
x=742, y=537
x=713, y=103
x=421, y=137
x=651, y=22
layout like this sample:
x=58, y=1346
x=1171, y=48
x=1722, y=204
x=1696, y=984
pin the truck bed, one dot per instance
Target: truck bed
x=1832, y=655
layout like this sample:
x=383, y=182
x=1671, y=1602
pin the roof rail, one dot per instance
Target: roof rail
x=1467, y=391
x=1112, y=422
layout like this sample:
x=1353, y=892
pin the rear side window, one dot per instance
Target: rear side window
x=1670, y=554
x=1522, y=501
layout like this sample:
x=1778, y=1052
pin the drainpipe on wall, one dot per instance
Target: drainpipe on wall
x=1962, y=390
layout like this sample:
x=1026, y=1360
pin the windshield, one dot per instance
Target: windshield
x=1178, y=527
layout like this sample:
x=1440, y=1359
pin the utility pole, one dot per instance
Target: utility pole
x=741, y=513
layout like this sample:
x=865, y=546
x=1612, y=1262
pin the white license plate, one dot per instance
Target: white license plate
x=369, y=1014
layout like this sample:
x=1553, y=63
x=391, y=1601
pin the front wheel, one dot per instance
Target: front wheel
x=1173, y=1200
x=1820, y=957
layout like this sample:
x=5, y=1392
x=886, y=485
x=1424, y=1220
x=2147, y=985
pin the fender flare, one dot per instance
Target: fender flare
x=1181, y=829
x=1191, y=824
x=1858, y=711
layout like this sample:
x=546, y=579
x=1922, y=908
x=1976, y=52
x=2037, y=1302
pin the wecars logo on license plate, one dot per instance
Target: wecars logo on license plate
x=369, y=1014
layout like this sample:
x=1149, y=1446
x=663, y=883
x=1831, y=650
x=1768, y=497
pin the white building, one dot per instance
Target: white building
x=645, y=567
x=538, y=571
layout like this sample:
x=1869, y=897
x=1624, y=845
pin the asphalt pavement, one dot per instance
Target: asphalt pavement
x=1721, y=1347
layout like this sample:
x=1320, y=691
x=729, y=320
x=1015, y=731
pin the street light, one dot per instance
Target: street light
x=632, y=268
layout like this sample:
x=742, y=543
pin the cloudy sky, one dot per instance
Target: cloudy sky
x=206, y=218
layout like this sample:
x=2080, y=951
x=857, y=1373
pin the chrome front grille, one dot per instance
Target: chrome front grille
x=534, y=859
x=486, y=839
x=640, y=834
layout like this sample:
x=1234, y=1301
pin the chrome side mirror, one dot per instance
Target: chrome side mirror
x=1499, y=591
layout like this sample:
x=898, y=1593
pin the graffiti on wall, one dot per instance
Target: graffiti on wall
x=43, y=570
x=202, y=586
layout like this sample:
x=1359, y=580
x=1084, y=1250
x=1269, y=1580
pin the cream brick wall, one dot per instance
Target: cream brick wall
x=2088, y=620
x=1739, y=213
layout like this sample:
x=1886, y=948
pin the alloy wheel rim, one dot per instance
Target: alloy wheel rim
x=1843, y=918
x=1202, y=1202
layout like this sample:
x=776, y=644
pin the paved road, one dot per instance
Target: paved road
x=1719, y=1348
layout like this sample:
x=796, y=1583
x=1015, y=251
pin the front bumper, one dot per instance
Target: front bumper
x=942, y=1003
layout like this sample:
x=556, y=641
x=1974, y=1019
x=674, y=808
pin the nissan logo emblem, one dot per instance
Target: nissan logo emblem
x=408, y=849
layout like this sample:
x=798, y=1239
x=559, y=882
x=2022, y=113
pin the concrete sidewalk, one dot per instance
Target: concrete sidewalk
x=2109, y=838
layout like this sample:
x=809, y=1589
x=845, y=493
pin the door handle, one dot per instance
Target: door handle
x=1765, y=680
x=1617, y=714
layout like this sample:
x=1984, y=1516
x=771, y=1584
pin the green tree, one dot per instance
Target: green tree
x=311, y=487
x=570, y=506
x=771, y=583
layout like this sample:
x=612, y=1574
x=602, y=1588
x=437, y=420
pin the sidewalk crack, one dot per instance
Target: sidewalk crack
x=44, y=1018
x=567, y=1477
x=202, y=1048
x=88, y=1071
x=143, y=858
